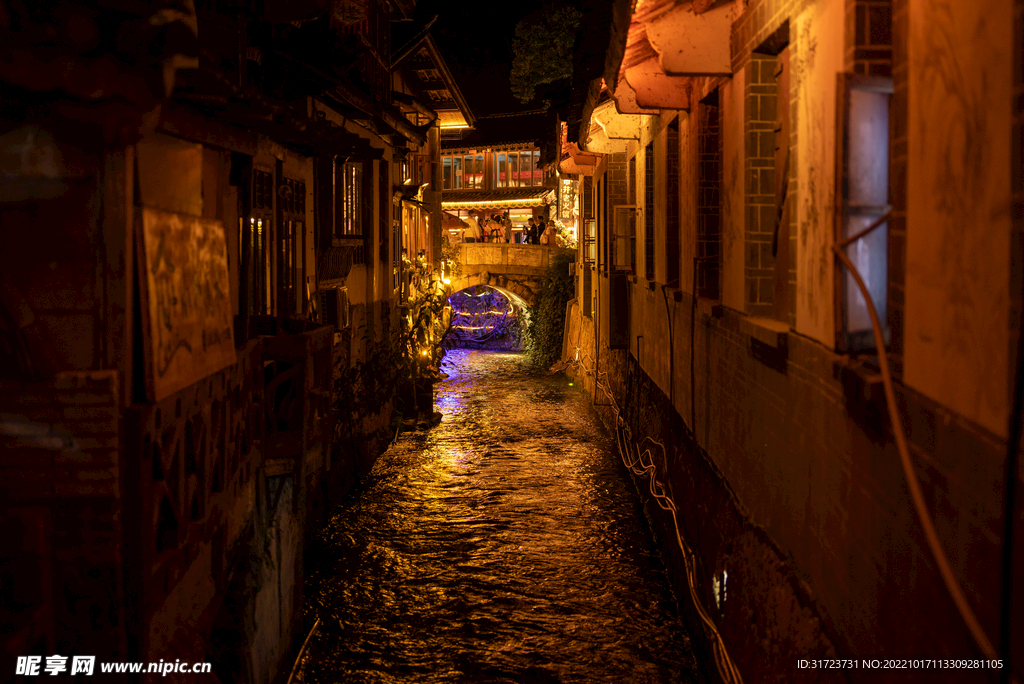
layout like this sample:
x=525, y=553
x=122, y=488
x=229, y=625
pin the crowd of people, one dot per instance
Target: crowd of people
x=498, y=228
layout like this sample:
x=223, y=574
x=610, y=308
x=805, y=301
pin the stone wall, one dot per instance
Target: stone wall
x=59, y=480
x=790, y=483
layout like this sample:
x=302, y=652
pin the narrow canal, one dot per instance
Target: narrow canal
x=504, y=545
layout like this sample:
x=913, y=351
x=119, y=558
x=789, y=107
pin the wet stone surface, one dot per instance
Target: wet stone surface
x=504, y=545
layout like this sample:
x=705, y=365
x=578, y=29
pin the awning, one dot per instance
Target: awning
x=451, y=221
x=505, y=198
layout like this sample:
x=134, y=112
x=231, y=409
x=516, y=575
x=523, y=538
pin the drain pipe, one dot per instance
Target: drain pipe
x=672, y=349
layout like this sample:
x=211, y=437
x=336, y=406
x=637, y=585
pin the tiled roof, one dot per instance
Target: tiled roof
x=510, y=129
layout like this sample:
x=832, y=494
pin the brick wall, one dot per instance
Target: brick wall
x=788, y=479
x=59, y=460
x=869, y=37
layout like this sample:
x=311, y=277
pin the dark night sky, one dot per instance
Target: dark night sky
x=476, y=38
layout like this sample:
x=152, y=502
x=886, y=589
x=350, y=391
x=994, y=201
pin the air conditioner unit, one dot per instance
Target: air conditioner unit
x=334, y=307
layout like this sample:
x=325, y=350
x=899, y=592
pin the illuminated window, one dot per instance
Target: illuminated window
x=513, y=169
x=501, y=170
x=255, y=242
x=864, y=193
x=348, y=221
x=474, y=171
x=588, y=221
x=291, y=242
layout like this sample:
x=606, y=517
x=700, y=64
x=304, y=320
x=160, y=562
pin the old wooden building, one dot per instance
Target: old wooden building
x=200, y=216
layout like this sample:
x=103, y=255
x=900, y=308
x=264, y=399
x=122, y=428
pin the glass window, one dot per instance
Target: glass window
x=457, y=171
x=513, y=169
x=349, y=200
x=500, y=176
x=474, y=171
x=865, y=203
x=446, y=172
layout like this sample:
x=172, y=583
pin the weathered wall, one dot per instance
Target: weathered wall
x=958, y=202
x=731, y=99
x=273, y=605
x=777, y=431
x=50, y=247
x=61, y=513
x=818, y=31
x=797, y=463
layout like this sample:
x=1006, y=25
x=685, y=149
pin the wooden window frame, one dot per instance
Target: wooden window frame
x=649, y=176
x=862, y=339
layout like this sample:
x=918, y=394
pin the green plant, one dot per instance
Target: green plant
x=547, y=323
x=426, y=325
x=543, y=49
x=564, y=237
x=450, y=259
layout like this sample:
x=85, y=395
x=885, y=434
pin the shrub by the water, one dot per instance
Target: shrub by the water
x=548, y=320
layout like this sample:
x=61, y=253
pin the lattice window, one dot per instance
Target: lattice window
x=348, y=186
x=672, y=206
x=709, y=189
x=649, y=211
x=291, y=246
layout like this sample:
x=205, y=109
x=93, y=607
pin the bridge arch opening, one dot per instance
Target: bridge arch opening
x=489, y=317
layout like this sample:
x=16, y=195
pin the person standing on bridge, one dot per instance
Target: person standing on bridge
x=548, y=236
x=506, y=223
x=472, y=231
x=531, y=232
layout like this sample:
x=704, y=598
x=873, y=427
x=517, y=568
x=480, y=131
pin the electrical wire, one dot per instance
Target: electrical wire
x=934, y=544
x=640, y=467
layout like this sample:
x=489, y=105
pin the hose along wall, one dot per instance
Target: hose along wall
x=932, y=537
x=639, y=459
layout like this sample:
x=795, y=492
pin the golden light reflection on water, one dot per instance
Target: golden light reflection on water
x=503, y=545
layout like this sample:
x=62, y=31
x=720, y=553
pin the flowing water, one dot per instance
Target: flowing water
x=504, y=545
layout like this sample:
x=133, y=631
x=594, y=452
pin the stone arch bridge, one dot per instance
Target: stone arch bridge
x=514, y=269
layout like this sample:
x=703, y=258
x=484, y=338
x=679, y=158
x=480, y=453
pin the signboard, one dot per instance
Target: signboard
x=186, y=310
x=350, y=12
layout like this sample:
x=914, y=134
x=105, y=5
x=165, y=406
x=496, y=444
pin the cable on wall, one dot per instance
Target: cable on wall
x=934, y=544
x=640, y=461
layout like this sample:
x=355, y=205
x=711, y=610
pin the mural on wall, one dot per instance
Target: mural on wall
x=958, y=200
x=187, y=321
